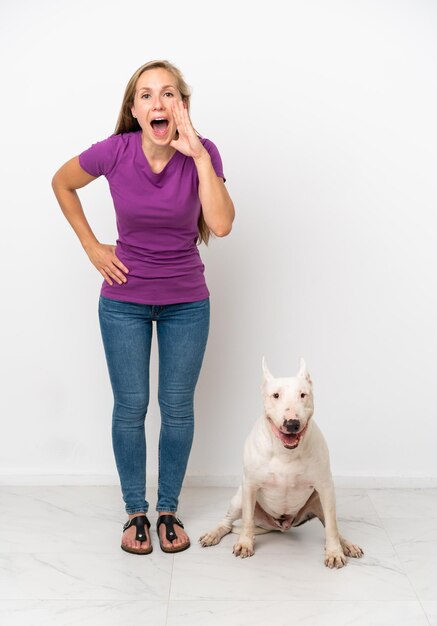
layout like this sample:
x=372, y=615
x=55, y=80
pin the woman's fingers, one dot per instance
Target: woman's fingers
x=109, y=274
x=176, y=115
x=112, y=270
x=185, y=120
x=188, y=142
x=110, y=267
x=106, y=277
x=182, y=120
x=116, y=261
x=120, y=265
x=117, y=276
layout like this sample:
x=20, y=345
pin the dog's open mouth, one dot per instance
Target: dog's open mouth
x=290, y=440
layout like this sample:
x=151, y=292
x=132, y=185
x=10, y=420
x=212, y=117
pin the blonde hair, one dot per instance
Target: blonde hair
x=127, y=123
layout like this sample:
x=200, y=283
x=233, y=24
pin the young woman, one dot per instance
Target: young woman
x=167, y=184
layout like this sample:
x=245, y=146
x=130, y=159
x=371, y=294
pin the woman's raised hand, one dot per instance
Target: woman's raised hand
x=103, y=257
x=188, y=142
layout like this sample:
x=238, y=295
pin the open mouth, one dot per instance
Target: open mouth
x=159, y=126
x=290, y=440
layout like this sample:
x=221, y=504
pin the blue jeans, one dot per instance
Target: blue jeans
x=182, y=331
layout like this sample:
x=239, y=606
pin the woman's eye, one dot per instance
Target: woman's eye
x=169, y=93
x=146, y=95
x=276, y=395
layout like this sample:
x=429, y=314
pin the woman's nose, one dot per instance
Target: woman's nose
x=157, y=103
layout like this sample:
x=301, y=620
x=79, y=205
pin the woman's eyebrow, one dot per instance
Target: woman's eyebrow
x=162, y=88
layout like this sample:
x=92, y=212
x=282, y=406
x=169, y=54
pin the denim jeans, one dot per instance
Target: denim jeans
x=182, y=332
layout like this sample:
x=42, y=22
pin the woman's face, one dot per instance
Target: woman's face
x=155, y=91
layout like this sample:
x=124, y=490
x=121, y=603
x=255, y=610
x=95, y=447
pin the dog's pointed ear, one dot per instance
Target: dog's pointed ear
x=303, y=372
x=267, y=376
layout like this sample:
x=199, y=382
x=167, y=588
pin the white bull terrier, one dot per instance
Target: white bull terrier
x=286, y=477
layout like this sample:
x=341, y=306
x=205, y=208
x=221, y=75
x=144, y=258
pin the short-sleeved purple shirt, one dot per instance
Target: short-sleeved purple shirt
x=157, y=216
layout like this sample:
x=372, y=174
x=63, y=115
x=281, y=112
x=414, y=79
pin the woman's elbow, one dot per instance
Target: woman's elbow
x=57, y=184
x=222, y=230
x=223, y=226
x=58, y=180
x=55, y=180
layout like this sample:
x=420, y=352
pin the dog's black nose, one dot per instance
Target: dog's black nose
x=292, y=426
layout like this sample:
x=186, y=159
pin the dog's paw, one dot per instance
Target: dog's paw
x=335, y=558
x=244, y=548
x=351, y=549
x=210, y=539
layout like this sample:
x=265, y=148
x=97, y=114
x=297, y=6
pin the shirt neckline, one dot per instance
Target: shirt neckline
x=146, y=162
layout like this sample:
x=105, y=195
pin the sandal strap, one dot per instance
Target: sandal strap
x=139, y=522
x=169, y=521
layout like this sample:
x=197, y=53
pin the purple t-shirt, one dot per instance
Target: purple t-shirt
x=157, y=216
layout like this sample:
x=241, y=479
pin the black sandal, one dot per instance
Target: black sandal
x=140, y=522
x=169, y=521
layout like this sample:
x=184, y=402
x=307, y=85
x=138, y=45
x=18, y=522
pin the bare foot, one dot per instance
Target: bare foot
x=182, y=537
x=128, y=538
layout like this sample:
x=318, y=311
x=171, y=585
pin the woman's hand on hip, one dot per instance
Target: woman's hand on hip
x=103, y=257
x=188, y=142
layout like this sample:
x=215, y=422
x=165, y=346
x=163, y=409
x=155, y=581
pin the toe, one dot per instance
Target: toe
x=180, y=539
x=128, y=541
x=164, y=541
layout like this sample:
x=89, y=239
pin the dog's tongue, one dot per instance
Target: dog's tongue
x=286, y=438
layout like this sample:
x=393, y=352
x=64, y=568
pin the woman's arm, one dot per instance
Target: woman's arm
x=217, y=206
x=67, y=179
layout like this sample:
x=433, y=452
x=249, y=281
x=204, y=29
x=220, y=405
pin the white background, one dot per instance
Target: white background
x=325, y=116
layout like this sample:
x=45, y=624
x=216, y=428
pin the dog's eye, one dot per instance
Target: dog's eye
x=302, y=395
x=276, y=395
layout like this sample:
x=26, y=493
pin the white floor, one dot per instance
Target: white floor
x=61, y=564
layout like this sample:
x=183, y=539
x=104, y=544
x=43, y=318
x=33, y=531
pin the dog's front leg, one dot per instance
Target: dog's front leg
x=244, y=546
x=334, y=555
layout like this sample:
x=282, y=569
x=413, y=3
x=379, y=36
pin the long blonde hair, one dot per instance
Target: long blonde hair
x=127, y=123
